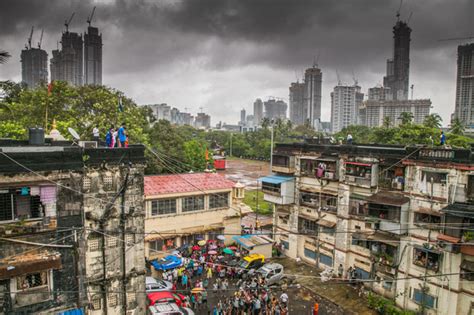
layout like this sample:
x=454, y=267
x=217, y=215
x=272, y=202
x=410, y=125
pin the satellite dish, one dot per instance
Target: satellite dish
x=74, y=134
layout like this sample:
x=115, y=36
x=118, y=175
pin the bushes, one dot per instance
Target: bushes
x=385, y=306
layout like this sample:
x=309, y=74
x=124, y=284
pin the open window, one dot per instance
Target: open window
x=426, y=258
x=23, y=203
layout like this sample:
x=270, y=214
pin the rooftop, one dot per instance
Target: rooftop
x=183, y=183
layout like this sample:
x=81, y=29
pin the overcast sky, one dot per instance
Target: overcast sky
x=221, y=55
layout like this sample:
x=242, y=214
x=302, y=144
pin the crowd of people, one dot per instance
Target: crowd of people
x=114, y=138
x=213, y=283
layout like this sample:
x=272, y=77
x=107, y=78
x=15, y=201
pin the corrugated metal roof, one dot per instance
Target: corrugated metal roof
x=388, y=198
x=275, y=179
x=182, y=183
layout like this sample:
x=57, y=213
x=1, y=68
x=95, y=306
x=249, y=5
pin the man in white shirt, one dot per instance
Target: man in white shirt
x=96, y=134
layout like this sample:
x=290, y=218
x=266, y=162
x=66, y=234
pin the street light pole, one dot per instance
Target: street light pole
x=271, y=148
x=231, y=143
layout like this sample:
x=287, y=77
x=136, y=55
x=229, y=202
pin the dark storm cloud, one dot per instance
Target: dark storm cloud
x=156, y=40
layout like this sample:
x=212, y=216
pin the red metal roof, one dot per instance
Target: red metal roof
x=183, y=183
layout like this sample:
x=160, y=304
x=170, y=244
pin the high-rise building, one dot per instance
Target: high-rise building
x=398, y=68
x=464, y=109
x=345, y=103
x=93, y=56
x=257, y=112
x=202, y=121
x=313, y=78
x=376, y=111
x=297, y=103
x=243, y=118
x=275, y=109
x=67, y=64
x=379, y=93
x=34, y=66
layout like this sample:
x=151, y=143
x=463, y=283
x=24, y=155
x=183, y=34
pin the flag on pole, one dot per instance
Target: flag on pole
x=120, y=105
x=207, y=154
x=50, y=88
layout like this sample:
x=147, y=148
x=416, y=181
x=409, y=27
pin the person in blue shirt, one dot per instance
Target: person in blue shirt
x=122, y=135
x=442, y=138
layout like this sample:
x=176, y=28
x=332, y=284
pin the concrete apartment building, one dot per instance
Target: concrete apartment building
x=298, y=114
x=390, y=212
x=275, y=109
x=257, y=112
x=34, y=66
x=345, y=103
x=464, y=109
x=71, y=221
x=202, y=121
x=184, y=207
x=373, y=112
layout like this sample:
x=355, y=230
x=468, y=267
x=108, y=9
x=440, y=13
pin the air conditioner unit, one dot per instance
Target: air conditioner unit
x=350, y=178
x=88, y=144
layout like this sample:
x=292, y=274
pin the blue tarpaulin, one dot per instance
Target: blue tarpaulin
x=77, y=311
x=275, y=179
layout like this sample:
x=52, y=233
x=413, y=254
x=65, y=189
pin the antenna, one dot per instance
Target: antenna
x=29, y=38
x=398, y=12
x=201, y=108
x=89, y=19
x=412, y=87
x=41, y=39
x=338, y=78
x=186, y=109
x=66, y=22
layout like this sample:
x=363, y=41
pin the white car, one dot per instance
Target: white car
x=169, y=309
x=272, y=273
x=156, y=285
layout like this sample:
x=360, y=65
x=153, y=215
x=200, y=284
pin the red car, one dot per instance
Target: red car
x=165, y=297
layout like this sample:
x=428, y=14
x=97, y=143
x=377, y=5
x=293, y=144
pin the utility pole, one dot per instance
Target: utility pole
x=122, y=231
x=230, y=150
x=271, y=147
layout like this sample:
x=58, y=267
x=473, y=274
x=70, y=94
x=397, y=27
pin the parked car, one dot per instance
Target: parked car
x=169, y=262
x=169, y=309
x=165, y=297
x=253, y=261
x=272, y=272
x=157, y=285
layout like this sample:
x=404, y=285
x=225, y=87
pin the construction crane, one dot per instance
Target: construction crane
x=41, y=39
x=89, y=19
x=398, y=11
x=455, y=38
x=30, y=38
x=66, y=22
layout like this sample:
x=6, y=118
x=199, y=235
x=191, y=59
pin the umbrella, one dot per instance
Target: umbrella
x=233, y=247
x=213, y=247
x=197, y=290
x=199, y=237
x=175, y=252
x=221, y=237
x=212, y=252
x=202, y=243
x=196, y=247
x=227, y=250
x=211, y=241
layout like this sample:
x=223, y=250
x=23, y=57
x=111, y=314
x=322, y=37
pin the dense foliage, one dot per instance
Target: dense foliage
x=181, y=148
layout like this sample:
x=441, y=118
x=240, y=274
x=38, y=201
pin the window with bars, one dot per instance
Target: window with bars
x=108, y=182
x=112, y=299
x=163, y=206
x=131, y=298
x=162, y=244
x=32, y=280
x=86, y=183
x=194, y=203
x=130, y=239
x=220, y=200
x=424, y=299
x=22, y=203
x=112, y=241
x=96, y=302
x=94, y=242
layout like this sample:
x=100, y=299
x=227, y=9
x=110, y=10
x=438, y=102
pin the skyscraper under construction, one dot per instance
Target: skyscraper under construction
x=398, y=68
x=34, y=64
x=464, y=109
x=93, y=56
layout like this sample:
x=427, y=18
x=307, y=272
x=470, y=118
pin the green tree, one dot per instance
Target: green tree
x=433, y=121
x=265, y=122
x=457, y=127
x=195, y=155
x=387, y=122
x=406, y=118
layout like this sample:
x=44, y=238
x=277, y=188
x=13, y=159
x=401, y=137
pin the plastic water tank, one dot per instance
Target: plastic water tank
x=36, y=136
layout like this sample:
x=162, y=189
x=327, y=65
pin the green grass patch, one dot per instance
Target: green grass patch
x=251, y=200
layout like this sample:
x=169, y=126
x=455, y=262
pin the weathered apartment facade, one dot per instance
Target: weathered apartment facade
x=390, y=212
x=184, y=208
x=71, y=229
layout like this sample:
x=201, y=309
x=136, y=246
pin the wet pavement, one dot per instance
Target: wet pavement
x=246, y=171
x=339, y=294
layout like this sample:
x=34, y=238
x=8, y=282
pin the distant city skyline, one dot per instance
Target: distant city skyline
x=235, y=53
